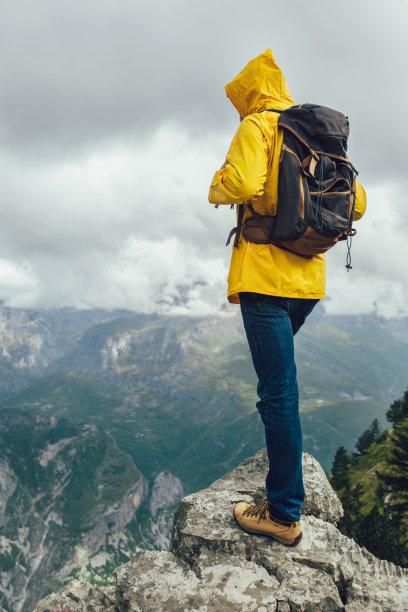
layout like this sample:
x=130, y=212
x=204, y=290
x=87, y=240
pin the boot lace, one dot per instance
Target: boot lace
x=259, y=509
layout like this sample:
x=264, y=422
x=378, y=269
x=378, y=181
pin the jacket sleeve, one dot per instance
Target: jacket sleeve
x=361, y=202
x=243, y=177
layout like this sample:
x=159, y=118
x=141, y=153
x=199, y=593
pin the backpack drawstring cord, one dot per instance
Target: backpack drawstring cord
x=319, y=212
x=348, y=256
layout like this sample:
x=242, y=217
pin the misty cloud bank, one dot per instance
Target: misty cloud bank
x=114, y=119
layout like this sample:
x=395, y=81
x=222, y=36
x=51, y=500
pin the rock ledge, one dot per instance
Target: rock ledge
x=214, y=566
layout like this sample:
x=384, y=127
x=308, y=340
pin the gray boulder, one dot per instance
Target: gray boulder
x=213, y=565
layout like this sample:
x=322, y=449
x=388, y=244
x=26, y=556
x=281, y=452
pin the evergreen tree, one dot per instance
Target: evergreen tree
x=367, y=438
x=398, y=409
x=376, y=507
x=380, y=534
x=351, y=502
x=396, y=474
x=340, y=474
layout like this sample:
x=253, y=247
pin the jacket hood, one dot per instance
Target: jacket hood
x=258, y=86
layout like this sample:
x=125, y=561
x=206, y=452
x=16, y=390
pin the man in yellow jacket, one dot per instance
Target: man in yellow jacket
x=275, y=288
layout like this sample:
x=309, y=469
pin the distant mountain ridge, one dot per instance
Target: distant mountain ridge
x=32, y=339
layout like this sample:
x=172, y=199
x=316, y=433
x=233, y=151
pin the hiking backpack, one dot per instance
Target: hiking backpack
x=316, y=187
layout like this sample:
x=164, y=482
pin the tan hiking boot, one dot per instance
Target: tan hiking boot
x=256, y=519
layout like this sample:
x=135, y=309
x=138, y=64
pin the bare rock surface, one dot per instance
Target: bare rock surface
x=79, y=596
x=161, y=581
x=213, y=565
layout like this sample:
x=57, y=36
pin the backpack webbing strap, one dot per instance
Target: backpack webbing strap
x=311, y=163
x=264, y=227
x=237, y=230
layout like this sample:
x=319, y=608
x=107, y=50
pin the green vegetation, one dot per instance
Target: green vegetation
x=372, y=484
x=8, y=559
x=179, y=393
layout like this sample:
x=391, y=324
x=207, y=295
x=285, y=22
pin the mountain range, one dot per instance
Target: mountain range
x=113, y=404
x=178, y=393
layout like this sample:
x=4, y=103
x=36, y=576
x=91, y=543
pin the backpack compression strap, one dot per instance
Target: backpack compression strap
x=237, y=230
x=264, y=227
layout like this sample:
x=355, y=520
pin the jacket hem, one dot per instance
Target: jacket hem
x=233, y=296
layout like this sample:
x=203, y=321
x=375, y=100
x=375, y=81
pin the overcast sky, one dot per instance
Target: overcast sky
x=113, y=119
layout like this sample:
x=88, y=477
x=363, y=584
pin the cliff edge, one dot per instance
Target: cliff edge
x=212, y=565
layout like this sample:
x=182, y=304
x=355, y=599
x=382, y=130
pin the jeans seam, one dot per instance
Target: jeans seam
x=259, y=305
x=257, y=350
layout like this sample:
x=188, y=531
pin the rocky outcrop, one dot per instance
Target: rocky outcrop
x=214, y=566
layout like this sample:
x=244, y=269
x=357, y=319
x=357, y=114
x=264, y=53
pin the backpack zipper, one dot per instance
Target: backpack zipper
x=286, y=148
x=283, y=149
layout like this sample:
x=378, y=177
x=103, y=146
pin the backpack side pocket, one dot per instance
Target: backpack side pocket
x=293, y=195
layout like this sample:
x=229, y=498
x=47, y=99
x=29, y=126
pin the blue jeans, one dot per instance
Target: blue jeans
x=270, y=324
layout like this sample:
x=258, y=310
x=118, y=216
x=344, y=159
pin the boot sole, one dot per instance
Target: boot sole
x=289, y=543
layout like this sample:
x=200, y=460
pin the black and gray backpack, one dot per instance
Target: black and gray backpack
x=316, y=189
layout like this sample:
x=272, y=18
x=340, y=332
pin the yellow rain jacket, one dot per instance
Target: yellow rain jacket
x=251, y=174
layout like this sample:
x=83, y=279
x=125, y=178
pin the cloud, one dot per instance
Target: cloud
x=113, y=119
x=147, y=276
x=124, y=227
x=131, y=228
x=18, y=285
x=151, y=191
x=79, y=73
x=379, y=251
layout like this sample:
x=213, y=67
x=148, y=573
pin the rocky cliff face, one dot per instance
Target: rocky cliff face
x=71, y=504
x=214, y=566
